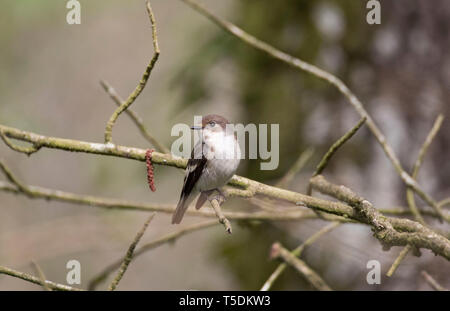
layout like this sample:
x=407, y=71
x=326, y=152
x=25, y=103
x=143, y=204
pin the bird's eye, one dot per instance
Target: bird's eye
x=212, y=123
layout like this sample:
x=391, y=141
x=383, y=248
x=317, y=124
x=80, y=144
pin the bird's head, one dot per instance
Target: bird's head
x=212, y=123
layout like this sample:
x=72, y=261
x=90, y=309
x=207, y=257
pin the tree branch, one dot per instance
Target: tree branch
x=218, y=210
x=433, y=283
x=297, y=252
x=170, y=237
x=298, y=165
x=27, y=150
x=137, y=91
x=388, y=230
x=126, y=261
x=324, y=162
x=35, y=192
x=41, y=275
x=409, y=193
x=333, y=149
x=35, y=280
x=134, y=117
x=256, y=188
x=398, y=260
x=309, y=274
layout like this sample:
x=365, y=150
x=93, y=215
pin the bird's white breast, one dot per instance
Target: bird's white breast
x=223, y=156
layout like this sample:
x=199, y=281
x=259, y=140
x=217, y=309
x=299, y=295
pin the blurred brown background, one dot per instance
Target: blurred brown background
x=49, y=84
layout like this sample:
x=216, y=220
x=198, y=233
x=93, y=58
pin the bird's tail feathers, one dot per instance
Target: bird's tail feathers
x=182, y=207
x=201, y=200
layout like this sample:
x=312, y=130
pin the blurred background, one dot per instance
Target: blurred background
x=49, y=84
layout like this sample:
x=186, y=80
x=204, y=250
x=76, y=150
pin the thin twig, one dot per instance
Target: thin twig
x=41, y=275
x=218, y=210
x=27, y=150
x=298, y=165
x=329, y=154
x=126, y=261
x=309, y=274
x=134, y=117
x=445, y=202
x=398, y=260
x=433, y=283
x=35, y=280
x=409, y=193
x=297, y=252
x=324, y=162
x=137, y=91
x=324, y=75
x=11, y=178
x=170, y=237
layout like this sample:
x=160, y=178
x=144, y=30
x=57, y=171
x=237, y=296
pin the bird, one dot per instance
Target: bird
x=214, y=160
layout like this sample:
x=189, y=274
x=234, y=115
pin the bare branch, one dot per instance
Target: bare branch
x=27, y=150
x=134, y=117
x=298, y=165
x=309, y=274
x=51, y=194
x=218, y=210
x=297, y=252
x=434, y=241
x=433, y=283
x=326, y=158
x=389, y=231
x=137, y=91
x=171, y=237
x=166, y=159
x=409, y=193
x=126, y=261
x=95, y=201
x=41, y=275
x=324, y=162
x=11, y=178
x=399, y=259
x=445, y=202
x=35, y=280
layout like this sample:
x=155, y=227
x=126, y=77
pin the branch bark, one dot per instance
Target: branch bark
x=388, y=230
x=309, y=274
x=35, y=280
x=297, y=252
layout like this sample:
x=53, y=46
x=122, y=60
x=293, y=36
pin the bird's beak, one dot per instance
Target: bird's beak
x=196, y=127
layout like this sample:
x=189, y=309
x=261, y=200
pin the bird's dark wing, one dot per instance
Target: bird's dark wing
x=194, y=170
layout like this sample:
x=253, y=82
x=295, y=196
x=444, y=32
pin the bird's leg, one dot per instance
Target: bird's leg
x=220, y=196
x=216, y=201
